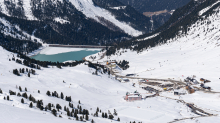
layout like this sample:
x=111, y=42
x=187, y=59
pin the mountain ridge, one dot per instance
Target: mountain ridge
x=88, y=21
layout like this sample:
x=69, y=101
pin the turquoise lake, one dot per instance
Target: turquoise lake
x=62, y=57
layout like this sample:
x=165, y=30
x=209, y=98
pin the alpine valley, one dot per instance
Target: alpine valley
x=142, y=72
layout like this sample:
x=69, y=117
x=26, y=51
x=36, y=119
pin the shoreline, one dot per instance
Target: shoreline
x=36, y=52
x=53, y=51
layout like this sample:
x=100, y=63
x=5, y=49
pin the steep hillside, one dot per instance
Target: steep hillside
x=188, y=45
x=76, y=22
x=155, y=5
x=180, y=21
x=195, y=52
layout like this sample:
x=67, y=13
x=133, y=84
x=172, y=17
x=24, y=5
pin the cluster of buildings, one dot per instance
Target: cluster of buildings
x=133, y=96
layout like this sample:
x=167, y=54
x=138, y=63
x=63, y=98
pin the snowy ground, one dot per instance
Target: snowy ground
x=93, y=91
x=88, y=8
x=57, y=50
x=196, y=53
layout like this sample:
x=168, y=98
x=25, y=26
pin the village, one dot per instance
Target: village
x=154, y=87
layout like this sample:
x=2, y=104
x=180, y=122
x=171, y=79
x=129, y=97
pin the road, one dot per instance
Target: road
x=152, y=79
x=193, y=108
x=78, y=46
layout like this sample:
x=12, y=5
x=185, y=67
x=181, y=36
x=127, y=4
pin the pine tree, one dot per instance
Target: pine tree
x=64, y=108
x=111, y=116
x=79, y=101
x=25, y=95
x=106, y=116
x=30, y=97
x=41, y=108
x=31, y=104
x=76, y=111
x=70, y=105
x=75, y=114
x=49, y=106
x=68, y=113
x=58, y=107
x=29, y=75
x=97, y=110
x=39, y=91
x=8, y=98
x=118, y=119
x=103, y=115
x=81, y=118
x=20, y=89
x=4, y=98
x=115, y=112
x=48, y=93
x=92, y=121
x=77, y=118
x=0, y=91
x=61, y=95
x=54, y=112
x=25, y=89
x=87, y=117
x=18, y=94
x=22, y=100
x=22, y=70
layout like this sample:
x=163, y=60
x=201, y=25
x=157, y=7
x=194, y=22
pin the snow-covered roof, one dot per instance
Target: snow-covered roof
x=134, y=96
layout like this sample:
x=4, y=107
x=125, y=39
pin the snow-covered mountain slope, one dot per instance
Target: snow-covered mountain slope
x=14, y=31
x=196, y=52
x=208, y=8
x=41, y=10
x=93, y=91
x=155, y=5
x=88, y=8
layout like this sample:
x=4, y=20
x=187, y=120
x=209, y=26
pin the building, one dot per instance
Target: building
x=179, y=92
x=133, y=96
x=123, y=80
